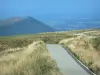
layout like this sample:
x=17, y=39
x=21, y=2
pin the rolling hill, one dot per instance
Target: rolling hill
x=22, y=25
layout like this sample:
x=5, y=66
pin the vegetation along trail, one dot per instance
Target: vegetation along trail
x=65, y=62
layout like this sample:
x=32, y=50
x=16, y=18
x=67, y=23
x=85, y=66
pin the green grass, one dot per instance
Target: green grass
x=14, y=43
x=96, y=43
x=23, y=40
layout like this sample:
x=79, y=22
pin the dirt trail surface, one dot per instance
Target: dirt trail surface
x=65, y=62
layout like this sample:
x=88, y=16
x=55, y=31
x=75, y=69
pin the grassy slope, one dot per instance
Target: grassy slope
x=20, y=41
x=31, y=60
x=85, y=49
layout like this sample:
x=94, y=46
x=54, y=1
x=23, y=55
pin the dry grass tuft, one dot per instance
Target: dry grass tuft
x=31, y=60
x=85, y=49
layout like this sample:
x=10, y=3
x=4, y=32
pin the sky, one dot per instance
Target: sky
x=45, y=9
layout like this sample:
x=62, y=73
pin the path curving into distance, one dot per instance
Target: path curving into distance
x=65, y=62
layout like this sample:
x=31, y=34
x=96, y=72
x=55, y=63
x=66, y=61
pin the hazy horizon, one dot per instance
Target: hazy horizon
x=50, y=12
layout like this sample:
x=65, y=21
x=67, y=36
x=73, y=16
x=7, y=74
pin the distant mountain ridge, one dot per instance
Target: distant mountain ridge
x=10, y=21
x=24, y=25
x=77, y=24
